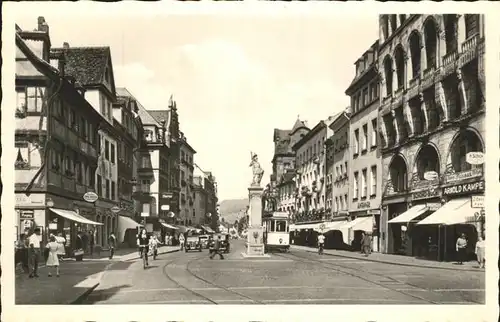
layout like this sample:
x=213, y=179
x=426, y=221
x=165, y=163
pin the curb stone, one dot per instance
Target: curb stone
x=400, y=264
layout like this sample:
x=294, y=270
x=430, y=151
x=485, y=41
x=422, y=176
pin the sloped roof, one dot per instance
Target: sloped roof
x=160, y=115
x=298, y=125
x=281, y=141
x=146, y=118
x=86, y=64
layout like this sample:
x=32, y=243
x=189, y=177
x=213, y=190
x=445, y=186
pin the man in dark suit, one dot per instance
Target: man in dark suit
x=216, y=249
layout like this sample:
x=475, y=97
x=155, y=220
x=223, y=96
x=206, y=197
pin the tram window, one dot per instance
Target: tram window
x=281, y=226
x=272, y=225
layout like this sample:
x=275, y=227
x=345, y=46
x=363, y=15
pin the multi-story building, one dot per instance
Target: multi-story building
x=93, y=69
x=212, y=204
x=282, y=178
x=364, y=168
x=187, y=194
x=310, y=162
x=153, y=181
x=431, y=117
x=338, y=158
x=56, y=141
x=200, y=201
x=129, y=130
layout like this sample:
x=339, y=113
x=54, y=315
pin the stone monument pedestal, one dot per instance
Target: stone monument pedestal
x=255, y=237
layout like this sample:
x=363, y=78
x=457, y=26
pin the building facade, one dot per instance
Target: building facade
x=153, y=181
x=431, y=117
x=129, y=132
x=338, y=158
x=310, y=162
x=365, y=162
x=92, y=68
x=284, y=164
x=56, y=140
x=200, y=197
x=187, y=212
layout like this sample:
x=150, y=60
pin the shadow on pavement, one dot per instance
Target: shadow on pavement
x=100, y=295
x=120, y=266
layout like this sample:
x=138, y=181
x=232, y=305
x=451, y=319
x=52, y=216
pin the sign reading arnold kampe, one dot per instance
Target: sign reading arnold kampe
x=464, y=188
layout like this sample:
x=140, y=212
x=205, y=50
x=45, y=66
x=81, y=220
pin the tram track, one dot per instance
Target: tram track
x=345, y=269
x=198, y=277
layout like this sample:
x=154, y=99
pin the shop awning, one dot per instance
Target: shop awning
x=168, y=226
x=361, y=223
x=334, y=225
x=409, y=215
x=73, y=216
x=305, y=226
x=455, y=211
x=182, y=229
x=208, y=229
x=125, y=223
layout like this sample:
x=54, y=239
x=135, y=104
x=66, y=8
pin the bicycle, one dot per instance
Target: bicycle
x=144, y=255
x=320, y=248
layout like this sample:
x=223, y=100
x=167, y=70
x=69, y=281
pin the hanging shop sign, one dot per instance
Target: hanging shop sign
x=477, y=201
x=464, y=188
x=464, y=175
x=431, y=175
x=425, y=194
x=115, y=209
x=363, y=205
x=165, y=207
x=90, y=197
x=27, y=215
x=475, y=158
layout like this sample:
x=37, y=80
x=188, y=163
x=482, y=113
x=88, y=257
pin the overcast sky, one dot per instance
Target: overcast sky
x=235, y=78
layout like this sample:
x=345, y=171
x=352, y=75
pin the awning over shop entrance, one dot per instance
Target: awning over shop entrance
x=168, y=226
x=73, y=216
x=305, y=226
x=361, y=223
x=409, y=215
x=208, y=229
x=125, y=223
x=331, y=225
x=182, y=229
x=455, y=211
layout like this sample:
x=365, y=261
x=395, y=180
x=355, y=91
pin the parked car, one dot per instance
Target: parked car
x=204, y=241
x=192, y=243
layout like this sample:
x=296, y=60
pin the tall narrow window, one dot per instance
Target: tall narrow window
x=34, y=99
x=363, y=184
x=374, y=133
x=373, y=181
x=106, y=149
x=365, y=137
x=108, y=190
x=356, y=141
x=356, y=186
x=113, y=192
x=99, y=186
x=112, y=148
x=21, y=101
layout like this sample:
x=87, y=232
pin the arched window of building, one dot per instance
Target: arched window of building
x=415, y=53
x=450, y=31
x=399, y=57
x=467, y=141
x=388, y=75
x=427, y=160
x=398, y=174
x=430, y=36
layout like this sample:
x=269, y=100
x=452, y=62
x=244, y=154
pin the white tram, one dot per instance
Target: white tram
x=276, y=232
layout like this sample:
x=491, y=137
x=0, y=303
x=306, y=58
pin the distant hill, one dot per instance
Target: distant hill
x=233, y=209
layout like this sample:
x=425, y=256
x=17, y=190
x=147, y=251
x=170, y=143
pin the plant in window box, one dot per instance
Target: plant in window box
x=21, y=112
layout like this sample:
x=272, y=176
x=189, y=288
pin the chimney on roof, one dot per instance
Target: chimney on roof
x=42, y=25
x=65, y=45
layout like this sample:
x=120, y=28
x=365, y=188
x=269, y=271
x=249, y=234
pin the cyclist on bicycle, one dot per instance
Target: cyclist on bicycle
x=321, y=243
x=143, y=244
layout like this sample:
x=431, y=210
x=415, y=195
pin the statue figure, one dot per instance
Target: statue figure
x=257, y=170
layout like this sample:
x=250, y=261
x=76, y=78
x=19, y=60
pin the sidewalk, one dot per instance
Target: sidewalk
x=77, y=280
x=396, y=259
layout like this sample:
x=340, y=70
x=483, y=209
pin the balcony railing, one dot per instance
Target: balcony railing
x=470, y=43
x=449, y=58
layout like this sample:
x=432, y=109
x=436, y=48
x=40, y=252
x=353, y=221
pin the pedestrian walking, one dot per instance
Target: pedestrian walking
x=53, y=259
x=480, y=251
x=79, y=246
x=112, y=244
x=216, y=249
x=34, y=242
x=366, y=244
x=61, y=251
x=21, y=255
x=153, y=245
x=91, y=243
x=181, y=240
x=321, y=243
x=461, y=247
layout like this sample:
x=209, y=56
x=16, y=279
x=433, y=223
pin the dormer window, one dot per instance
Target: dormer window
x=148, y=135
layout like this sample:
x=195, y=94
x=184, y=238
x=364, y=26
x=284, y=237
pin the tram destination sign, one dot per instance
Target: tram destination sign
x=464, y=188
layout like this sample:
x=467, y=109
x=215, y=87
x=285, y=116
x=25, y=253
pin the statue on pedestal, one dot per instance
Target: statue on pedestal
x=257, y=170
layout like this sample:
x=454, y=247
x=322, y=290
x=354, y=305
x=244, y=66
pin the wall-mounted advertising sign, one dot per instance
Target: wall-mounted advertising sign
x=464, y=188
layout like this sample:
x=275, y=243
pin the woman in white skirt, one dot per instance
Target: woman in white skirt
x=52, y=260
x=480, y=250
